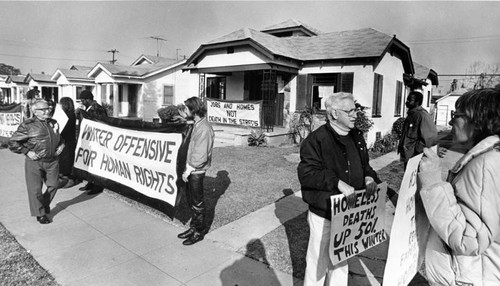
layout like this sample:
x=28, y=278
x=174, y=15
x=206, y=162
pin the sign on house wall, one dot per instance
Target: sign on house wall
x=145, y=161
x=359, y=228
x=242, y=113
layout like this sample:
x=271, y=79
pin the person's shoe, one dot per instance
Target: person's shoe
x=88, y=186
x=186, y=234
x=95, y=190
x=194, y=238
x=43, y=219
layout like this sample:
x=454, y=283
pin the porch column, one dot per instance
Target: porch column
x=116, y=101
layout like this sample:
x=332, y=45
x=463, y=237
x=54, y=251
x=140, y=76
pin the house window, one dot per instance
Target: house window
x=428, y=98
x=326, y=84
x=377, y=95
x=399, y=98
x=168, y=94
x=216, y=87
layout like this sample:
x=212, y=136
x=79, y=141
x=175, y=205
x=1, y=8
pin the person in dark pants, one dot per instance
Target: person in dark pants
x=419, y=131
x=199, y=158
x=333, y=160
x=38, y=138
x=67, y=157
x=95, y=110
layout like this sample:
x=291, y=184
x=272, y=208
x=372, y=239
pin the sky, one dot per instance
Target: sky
x=43, y=36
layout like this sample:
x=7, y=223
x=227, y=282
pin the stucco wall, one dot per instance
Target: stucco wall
x=241, y=56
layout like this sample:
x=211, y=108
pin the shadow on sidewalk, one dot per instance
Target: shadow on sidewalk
x=213, y=189
x=65, y=204
x=241, y=271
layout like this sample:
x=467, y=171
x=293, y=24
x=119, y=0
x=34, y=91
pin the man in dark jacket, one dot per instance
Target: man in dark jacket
x=419, y=130
x=95, y=110
x=38, y=138
x=333, y=160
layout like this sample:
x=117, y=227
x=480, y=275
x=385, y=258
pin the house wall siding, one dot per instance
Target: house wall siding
x=241, y=56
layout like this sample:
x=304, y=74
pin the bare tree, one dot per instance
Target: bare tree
x=482, y=75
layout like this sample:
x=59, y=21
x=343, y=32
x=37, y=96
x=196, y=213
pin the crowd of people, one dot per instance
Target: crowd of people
x=463, y=246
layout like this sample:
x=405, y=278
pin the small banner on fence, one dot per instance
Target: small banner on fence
x=10, y=118
x=357, y=229
x=142, y=160
x=243, y=113
x=409, y=228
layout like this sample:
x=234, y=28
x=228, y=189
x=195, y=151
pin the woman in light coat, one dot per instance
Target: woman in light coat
x=464, y=212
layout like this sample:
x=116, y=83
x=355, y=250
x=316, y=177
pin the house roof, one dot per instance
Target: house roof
x=289, y=25
x=40, y=77
x=80, y=68
x=72, y=74
x=362, y=43
x=153, y=60
x=422, y=72
x=140, y=71
x=16, y=79
x=455, y=93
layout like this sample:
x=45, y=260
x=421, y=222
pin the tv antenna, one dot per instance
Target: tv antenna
x=158, y=39
x=114, y=51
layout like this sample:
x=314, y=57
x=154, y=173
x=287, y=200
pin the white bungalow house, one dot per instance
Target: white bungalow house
x=71, y=82
x=291, y=65
x=138, y=91
x=18, y=87
x=4, y=89
x=43, y=82
x=446, y=105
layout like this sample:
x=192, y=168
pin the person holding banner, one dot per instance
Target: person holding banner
x=94, y=109
x=333, y=160
x=67, y=157
x=38, y=138
x=419, y=130
x=463, y=247
x=199, y=158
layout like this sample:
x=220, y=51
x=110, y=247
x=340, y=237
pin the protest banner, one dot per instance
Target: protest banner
x=243, y=113
x=409, y=229
x=357, y=229
x=143, y=160
x=10, y=118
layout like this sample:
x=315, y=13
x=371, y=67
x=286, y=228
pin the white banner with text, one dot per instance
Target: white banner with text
x=144, y=161
x=243, y=113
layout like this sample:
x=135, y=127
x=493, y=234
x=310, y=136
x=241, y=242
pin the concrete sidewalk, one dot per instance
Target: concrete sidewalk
x=98, y=240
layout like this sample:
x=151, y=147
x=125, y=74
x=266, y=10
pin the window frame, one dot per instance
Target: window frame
x=166, y=96
x=399, y=98
x=378, y=86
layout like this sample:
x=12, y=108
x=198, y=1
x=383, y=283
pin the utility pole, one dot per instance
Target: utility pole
x=158, y=39
x=114, y=51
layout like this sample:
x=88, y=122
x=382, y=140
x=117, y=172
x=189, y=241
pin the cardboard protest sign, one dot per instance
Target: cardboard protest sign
x=10, y=118
x=243, y=113
x=357, y=229
x=60, y=116
x=409, y=231
x=142, y=160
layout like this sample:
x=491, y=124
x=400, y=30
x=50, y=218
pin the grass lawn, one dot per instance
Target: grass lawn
x=17, y=266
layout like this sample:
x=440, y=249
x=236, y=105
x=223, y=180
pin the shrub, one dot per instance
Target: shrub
x=363, y=123
x=109, y=108
x=170, y=114
x=397, y=127
x=257, y=139
x=302, y=124
x=386, y=144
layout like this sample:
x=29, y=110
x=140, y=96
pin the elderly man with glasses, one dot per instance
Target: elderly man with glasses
x=38, y=138
x=333, y=160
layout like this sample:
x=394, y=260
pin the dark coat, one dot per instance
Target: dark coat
x=419, y=131
x=323, y=162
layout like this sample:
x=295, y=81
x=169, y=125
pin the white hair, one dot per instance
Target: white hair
x=336, y=101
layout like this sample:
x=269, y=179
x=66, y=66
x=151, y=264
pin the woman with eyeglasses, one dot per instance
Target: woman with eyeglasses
x=464, y=242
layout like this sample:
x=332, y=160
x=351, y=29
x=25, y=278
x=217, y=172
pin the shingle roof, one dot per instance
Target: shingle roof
x=80, y=68
x=291, y=23
x=129, y=70
x=41, y=77
x=337, y=45
x=75, y=74
x=160, y=60
x=16, y=78
x=421, y=72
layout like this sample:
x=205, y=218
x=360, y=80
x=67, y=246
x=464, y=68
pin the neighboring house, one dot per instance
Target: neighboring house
x=43, y=82
x=71, y=82
x=138, y=91
x=18, y=87
x=291, y=66
x=5, y=95
x=424, y=80
x=445, y=105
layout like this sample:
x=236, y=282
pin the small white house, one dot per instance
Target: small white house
x=138, y=91
x=71, y=82
x=18, y=87
x=445, y=105
x=43, y=82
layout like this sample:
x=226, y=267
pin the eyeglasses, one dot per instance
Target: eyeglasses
x=455, y=114
x=349, y=112
x=44, y=109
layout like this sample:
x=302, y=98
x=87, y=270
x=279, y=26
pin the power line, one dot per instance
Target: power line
x=455, y=40
x=44, y=58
